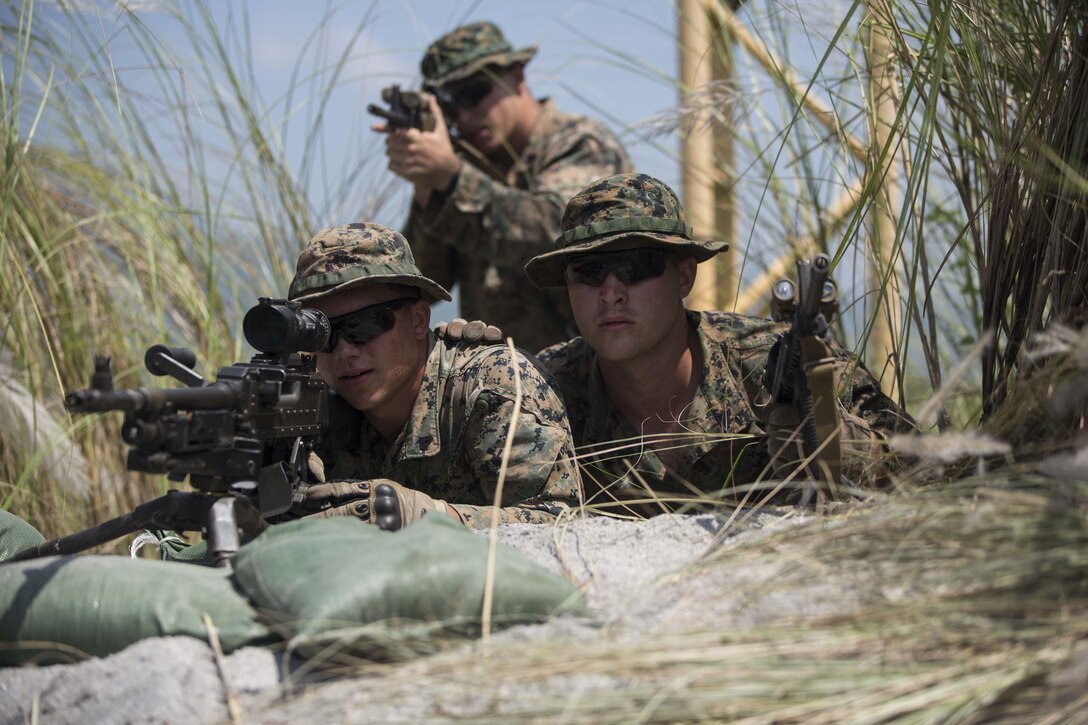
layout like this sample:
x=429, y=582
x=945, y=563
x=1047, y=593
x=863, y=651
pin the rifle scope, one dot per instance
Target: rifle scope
x=279, y=326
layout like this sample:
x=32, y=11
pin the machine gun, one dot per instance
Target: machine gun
x=801, y=358
x=243, y=440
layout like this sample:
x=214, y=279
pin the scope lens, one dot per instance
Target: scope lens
x=829, y=292
x=783, y=290
x=273, y=328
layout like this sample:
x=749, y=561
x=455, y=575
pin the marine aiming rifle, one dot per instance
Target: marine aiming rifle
x=409, y=109
x=243, y=441
x=801, y=360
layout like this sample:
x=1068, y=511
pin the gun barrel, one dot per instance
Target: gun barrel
x=397, y=120
x=208, y=397
x=812, y=289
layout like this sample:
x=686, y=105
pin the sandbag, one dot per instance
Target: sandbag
x=378, y=590
x=16, y=535
x=65, y=608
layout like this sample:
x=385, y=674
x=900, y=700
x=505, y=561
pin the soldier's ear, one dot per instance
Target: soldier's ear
x=686, y=267
x=421, y=319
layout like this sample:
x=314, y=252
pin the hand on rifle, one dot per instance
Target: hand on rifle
x=425, y=158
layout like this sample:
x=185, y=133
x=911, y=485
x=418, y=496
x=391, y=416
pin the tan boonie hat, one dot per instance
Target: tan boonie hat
x=352, y=255
x=467, y=50
x=614, y=209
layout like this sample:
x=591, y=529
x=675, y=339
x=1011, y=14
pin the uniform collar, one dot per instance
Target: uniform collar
x=420, y=436
x=604, y=422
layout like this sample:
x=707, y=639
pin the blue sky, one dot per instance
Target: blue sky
x=611, y=60
x=607, y=59
x=615, y=61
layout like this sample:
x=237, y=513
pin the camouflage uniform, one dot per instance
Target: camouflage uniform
x=481, y=232
x=722, y=441
x=452, y=444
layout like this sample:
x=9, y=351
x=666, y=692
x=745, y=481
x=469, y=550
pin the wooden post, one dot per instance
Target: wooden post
x=884, y=304
x=706, y=149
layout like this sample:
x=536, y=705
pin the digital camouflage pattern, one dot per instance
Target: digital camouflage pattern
x=617, y=209
x=451, y=448
x=481, y=234
x=351, y=255
x=467, y=50
x=723, y=438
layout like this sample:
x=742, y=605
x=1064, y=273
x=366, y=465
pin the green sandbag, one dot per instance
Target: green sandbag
x=326, y=576
x=16, y=535
x=65, y=608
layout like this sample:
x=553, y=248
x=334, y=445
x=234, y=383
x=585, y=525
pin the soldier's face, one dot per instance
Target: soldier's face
x=624, y=321
x=381, y=376
x=488, y=120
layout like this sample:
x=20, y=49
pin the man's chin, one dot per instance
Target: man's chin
x=361, y=400
x=615, y=351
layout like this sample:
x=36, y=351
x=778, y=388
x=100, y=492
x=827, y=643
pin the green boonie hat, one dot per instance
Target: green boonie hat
x=615, y=209
x=467, y=50
x=352, y=255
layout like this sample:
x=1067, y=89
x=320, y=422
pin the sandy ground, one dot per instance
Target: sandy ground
x=639, y=578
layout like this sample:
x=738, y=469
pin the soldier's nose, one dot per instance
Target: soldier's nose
x=345, y=349
x=612, y=290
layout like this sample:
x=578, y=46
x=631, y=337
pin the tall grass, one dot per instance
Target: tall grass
x=138, y=205
x=983, y=159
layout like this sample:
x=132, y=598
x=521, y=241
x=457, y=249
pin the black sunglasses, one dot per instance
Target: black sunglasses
x=629, y=266
x=469, y=94
x=365, y=324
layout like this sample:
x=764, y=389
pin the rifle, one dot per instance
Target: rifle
x=243, y=440
x=407, y=109
x=803, y=354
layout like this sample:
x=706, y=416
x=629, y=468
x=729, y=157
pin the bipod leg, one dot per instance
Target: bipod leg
x=223, y=539
x=225, y=517
x=174, y=510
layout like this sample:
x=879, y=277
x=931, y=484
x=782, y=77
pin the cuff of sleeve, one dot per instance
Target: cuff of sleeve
x=479, y=517
x=471, y=194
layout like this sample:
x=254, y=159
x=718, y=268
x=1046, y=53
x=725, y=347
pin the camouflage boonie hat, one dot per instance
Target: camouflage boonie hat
x=467, y=50
x=615, y=209
x=352, y=255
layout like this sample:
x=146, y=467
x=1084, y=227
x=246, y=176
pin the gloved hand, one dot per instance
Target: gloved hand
x=785, y=439
x=378, y=501
x=476, y=331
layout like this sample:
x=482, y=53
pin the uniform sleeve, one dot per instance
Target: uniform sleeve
x=862, y=398
x=542, y=478
x=867, y=418
x=435, y=259
x=487, y=221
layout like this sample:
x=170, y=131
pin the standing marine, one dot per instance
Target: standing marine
x=487, y=202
